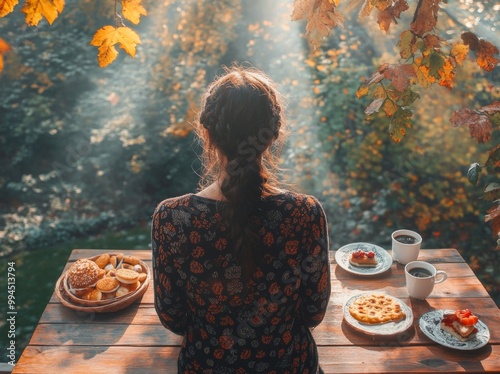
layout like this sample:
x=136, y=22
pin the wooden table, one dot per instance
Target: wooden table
x=134, y=341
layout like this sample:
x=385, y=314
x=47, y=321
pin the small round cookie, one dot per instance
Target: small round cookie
x=132, y=286
x=109, y=267
x=93, y=295
x=138, y=268
x=131, y=260
x=142, y=277
x=102, y=260
x=127, y=266
x=107, y=285
x=127, y=276
x=122, y=291
x=113, y=261
x=108, y=295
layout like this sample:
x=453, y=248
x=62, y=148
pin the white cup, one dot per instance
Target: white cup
x=404, y=252
x=421, y=278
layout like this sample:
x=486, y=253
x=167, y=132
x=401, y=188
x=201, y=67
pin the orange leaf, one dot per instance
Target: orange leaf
x=484, y=50
x=4, y=47
x=485, y=54
x=447, y=74
x=7, y=6
x=106, y=38
x=132, y=10
x=36, y=9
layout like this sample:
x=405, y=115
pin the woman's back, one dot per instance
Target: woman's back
x=229, y=326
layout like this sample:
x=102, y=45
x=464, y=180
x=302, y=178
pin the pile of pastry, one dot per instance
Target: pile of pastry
x=109, y=276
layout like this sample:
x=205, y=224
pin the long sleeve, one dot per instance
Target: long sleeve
x=169, y=287
x=315, y=270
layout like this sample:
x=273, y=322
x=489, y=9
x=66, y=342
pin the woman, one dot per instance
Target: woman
x=241, y=268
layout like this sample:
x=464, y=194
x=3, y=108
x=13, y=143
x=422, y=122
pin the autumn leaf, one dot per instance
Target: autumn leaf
x=434, y=62
x=492, y=108
x=362, y=91
x=366, y=9
x=132, y=10
x=7, y=6
x=484, y=51
x=422, y=73
x=389, y=108
x=406, y=44
x=447, y=73
x=36, y=9
x=493, y=161
x=485, y=54
x=432, y=41
x=425, y=16
x=473, y=173
x=399, y=123
x=399, y=75
x=374, y=106
x=391, y=13
x=321, y=18
x=491, y=192
x=408, y=97
x=4, y=47
x=479, y=124
x=106, y=38
x=459, y=51
x=493, y=216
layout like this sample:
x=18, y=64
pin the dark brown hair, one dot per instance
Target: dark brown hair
x=242, y=125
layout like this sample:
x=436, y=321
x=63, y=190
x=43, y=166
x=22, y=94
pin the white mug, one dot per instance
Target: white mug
x=421, y=278
x=404, y=252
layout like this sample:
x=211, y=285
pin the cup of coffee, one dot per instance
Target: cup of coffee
x=421, y=278
x=405, y=246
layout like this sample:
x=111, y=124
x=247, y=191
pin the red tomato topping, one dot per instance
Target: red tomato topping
x=466, y=317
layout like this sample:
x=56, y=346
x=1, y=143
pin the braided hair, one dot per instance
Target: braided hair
x=241, y=126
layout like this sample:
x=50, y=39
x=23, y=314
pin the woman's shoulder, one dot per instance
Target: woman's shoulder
x=174, y=202
x=295, y=199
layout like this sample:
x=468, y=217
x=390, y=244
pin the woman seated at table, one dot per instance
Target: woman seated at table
x=241, y=268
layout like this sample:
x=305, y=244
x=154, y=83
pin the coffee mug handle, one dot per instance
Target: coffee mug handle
x=440, y=276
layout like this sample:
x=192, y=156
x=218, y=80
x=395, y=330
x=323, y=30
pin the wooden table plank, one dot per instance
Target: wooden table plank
x=152, y=360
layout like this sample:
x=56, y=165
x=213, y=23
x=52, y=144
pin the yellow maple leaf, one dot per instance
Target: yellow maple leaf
x=36, y=9
x=459, y=51
x=7, y=6
x=132, y=10
x=4, y=47
x=106, y=38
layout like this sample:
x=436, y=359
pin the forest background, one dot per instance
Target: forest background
x=87, y=152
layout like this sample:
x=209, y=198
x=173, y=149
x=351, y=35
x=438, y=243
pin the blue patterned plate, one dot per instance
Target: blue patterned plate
x=430, y=325
x=383, y=258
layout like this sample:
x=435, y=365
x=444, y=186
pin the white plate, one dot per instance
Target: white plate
x=384, y=259
x=382, y=329
x=430, y=325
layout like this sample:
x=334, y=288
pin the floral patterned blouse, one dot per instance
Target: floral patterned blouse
x=199, y=294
